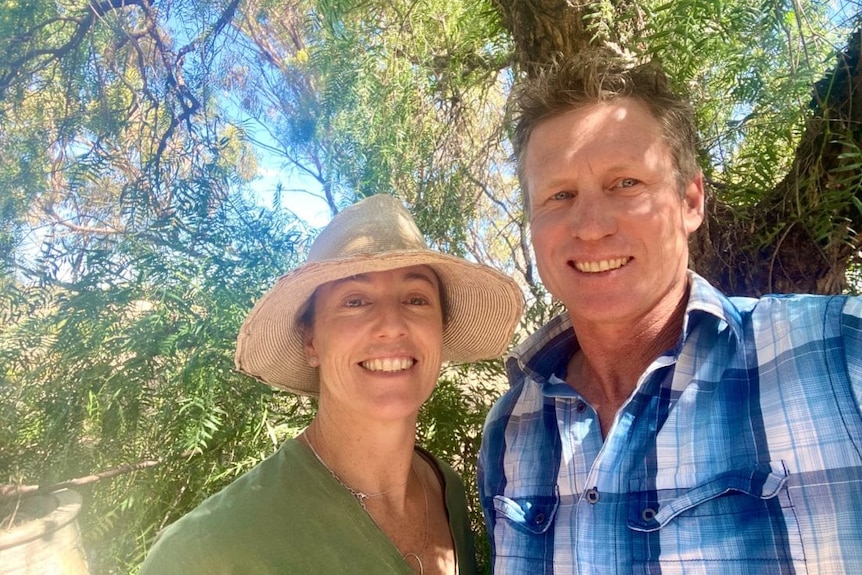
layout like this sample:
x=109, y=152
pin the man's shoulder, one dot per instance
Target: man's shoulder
x=524, y=396
x=541, y=352
x=771, y=307
x=799, y=307
x=779, y=324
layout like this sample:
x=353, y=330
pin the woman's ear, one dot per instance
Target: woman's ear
x=310, y=351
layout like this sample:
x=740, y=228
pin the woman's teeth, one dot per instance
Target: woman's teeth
x=388, y=364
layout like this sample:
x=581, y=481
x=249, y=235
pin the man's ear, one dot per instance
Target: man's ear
x=693, y=208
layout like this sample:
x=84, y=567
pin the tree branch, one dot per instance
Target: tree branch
x=12, y=491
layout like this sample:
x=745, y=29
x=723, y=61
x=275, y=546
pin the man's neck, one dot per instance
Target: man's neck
x=610, y=361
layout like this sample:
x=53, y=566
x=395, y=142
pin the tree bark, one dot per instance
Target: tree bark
x=542, y=29
x=812, y=212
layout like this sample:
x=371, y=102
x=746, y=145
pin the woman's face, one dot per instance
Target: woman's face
x=378, y=340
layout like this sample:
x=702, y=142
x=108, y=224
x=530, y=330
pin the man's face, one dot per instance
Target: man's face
x=609, y=223
x=378, y=338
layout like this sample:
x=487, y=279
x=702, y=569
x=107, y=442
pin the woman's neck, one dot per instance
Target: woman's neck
x=367, y=459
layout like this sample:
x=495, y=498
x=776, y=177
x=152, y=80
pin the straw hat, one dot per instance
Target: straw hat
x=376, y=234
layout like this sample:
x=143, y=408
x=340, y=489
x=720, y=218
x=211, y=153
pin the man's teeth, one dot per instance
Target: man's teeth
x=388, y=364
x=601, y=266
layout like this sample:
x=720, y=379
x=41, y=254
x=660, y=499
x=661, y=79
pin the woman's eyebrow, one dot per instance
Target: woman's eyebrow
x=412, y=275
x=426, y=277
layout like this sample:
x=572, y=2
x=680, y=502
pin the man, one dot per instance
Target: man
x=658, y=426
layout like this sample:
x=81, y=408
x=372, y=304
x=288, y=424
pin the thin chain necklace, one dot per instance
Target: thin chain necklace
x=361, y=497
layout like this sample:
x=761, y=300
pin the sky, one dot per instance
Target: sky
x=300, y=194
x=305, y=204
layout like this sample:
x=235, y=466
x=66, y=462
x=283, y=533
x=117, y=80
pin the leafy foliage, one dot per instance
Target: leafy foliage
x=134, y=360
x=451, y=424
x=133, y=240
x=385, y=96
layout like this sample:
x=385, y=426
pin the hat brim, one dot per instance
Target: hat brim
x=483, y=309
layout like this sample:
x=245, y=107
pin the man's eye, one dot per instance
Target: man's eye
x=353, y=302
x=563, y=195
x=627, y=183
x=416, y=300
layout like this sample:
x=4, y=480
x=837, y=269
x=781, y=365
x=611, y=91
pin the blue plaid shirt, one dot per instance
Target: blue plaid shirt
x=739, y=452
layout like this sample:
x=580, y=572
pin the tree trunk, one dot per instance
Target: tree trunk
x=813, y=212
x=545, y=29
x=542, y=29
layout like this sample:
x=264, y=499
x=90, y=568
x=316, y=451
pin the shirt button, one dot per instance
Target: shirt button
x=539, y=518
x=580, y=407
x=593, y=495
x=648, y=514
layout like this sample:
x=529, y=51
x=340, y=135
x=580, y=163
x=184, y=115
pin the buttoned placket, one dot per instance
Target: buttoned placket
x=609, y=468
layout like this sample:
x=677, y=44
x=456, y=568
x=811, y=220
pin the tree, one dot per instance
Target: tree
x=136, y=254
x=132, y=247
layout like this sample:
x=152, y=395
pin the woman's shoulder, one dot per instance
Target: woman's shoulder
x=227, y=523
x=450, y=480
x=444, y=471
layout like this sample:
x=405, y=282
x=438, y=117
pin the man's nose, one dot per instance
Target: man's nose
x=590, y=217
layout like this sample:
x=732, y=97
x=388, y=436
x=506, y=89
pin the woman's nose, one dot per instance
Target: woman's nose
x=389, y=319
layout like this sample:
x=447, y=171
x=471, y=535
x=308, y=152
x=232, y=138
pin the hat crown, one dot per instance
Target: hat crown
x=376, y=225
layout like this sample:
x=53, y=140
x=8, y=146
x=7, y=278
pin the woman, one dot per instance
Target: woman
x=364, y=325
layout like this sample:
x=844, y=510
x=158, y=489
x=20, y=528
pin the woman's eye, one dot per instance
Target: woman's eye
x=417, y=300
x=353, y=302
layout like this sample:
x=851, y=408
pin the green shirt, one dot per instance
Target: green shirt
x=289, y=515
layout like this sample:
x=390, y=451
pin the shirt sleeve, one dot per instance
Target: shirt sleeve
x=851, y=330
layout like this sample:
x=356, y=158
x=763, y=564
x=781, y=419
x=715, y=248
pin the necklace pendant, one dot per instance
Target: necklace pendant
x=360, y=497
x=409, y=556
